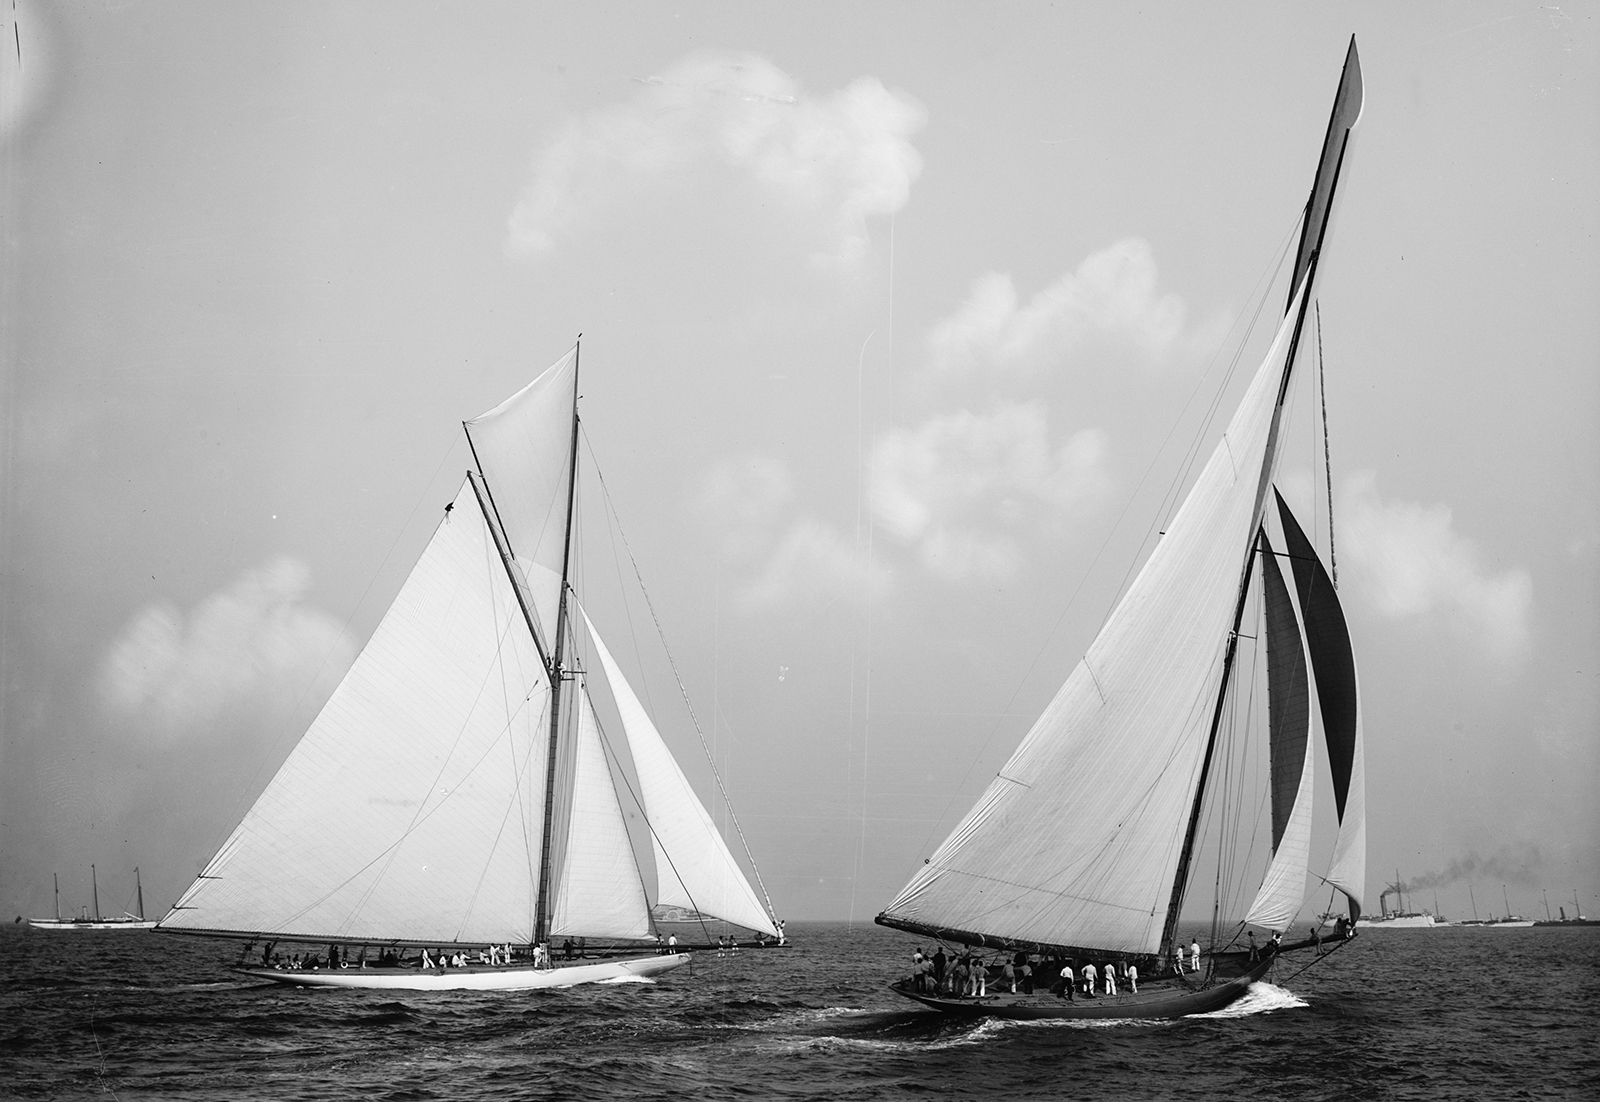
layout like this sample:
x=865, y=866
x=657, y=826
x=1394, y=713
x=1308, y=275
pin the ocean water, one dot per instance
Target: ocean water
x=1398, y=1014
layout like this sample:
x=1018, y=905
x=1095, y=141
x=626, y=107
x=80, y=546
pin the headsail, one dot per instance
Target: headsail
x=694, y=867
x=600, y=893
x=1333, y=664
x=1289, y=711
x=1077, y=841
x=410, y=808
x=524, y=449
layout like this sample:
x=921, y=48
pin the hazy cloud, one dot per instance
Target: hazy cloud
x=961, y=486
x=1113, y=296
x=1413, y=564
x=253, y=643
x=837, y=158
x=812, y=561
x=786, y=556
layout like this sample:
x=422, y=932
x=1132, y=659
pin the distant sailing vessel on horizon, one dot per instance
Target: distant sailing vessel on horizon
x=459, y=793
x=130, y=920
x=1082, y=849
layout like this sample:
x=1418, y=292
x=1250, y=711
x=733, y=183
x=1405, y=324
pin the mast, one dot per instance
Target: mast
x=94, y=886
x=138, y=892
x=1319, y=207
x=541, y=921
x=57, y=881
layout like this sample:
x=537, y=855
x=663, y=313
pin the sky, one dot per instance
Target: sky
x=898, y=322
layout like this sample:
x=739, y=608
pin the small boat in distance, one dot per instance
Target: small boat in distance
x=465, y=795
x=1399, y=918
x=1578, y=919
x=1077, y=858
x=129, y=920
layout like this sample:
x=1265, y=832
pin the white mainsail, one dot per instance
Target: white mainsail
x=1077, y=841
x=410, y=809
x=694, y=867
x=447, y=793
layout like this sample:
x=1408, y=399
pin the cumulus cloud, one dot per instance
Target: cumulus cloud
x=838, y=158
x=812, y=561
x=959, y=486
x=253, y=644
x=789, y=556
x=1413, y=564
x=1112, y=297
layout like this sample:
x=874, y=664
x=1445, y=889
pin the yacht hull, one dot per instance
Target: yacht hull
x=1160, y=999
x=474, y=978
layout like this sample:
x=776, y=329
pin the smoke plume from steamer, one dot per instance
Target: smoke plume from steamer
x=1519, y=864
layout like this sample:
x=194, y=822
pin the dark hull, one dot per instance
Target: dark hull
x=1159, y=999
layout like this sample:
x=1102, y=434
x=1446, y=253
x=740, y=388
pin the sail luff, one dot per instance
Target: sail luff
x=557, y=678
x=694, y=866
x=1347, y=106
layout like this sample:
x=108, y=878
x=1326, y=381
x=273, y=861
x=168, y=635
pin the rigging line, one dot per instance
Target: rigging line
x=688, y=704
x=1327, y=457
x=849, y=759
x=493, y=557
x=322, y=663
x=616, y=762
x=1170, y=497
x=616, y=559
x=1263, y=285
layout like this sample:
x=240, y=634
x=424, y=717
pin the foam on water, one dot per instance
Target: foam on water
x=1260, y=998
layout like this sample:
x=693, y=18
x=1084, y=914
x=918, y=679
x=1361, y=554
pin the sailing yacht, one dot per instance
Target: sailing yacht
x=128, y=920
x=1082, y=849
x=460, y=797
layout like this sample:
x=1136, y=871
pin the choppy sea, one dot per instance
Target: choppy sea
x=1399, y=1014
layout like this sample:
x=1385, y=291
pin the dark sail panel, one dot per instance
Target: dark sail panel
x=1332, y=659
x=1346, y=110
x=1288, y=695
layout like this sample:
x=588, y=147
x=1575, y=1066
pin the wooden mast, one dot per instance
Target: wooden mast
x=541, y=921
x=1319, y=208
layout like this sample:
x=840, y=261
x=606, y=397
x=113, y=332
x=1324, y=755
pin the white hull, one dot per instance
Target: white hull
x=109, y=924
x=1397, y=922
x=475, y=978
x=1516, y=922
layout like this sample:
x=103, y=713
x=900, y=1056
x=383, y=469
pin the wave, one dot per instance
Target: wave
x=1261, y=998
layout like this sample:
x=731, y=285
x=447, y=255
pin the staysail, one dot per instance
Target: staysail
x=1333, y=664
x=523, y=446
x=410, y=809
x=1076, y=843
x=600, y=893
x=694, y=867
x=1289, y=753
